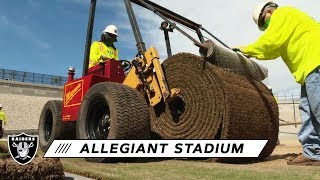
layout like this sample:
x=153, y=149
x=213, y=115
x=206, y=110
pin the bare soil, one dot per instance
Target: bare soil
x=38, y=168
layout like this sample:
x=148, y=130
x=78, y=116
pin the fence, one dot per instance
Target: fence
x=293, y=96
x=36, y=78
x=289, y=113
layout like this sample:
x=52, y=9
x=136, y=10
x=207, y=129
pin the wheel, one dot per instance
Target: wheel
x=113, y=111
x=68, y=130
x=50, y=124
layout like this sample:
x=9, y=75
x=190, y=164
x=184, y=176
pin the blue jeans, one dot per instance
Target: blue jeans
x=309, y=134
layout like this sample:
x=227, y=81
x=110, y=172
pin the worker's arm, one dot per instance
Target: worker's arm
x=269, y=44
x=95, y=54
x=4, y=119
x=117, y=55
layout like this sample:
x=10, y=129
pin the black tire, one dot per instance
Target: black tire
x=68, y=130
x=50, y=124
x=125, y=106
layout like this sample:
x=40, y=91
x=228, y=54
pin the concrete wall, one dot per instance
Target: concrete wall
x=29, y=89
x=23, y=102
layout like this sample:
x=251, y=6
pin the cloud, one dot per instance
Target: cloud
x=231, y=21
x=104, y=3
x=23, y=32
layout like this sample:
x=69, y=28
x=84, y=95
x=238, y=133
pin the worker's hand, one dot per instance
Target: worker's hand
x=247, y=55
x=238, y=49
x=103, y=58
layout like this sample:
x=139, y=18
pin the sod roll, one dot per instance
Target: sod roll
x=235, y=61
x=215, y=104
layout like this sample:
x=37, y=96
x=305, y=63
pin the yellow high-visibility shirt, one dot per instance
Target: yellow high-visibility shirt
x=293, y=35
x=276, y=99
x=99, y=49
x=3, y=117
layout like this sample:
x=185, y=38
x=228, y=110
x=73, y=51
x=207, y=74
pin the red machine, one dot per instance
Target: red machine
x=75, y=89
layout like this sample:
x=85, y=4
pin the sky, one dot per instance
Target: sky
x=49, y=36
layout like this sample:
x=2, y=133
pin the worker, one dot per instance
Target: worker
x=270, y=89
x=104, y=49
x=295, y=36
x=3, y=120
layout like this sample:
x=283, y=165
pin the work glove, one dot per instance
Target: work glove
x=236, y=49
x=102, y=59
x=240, y=50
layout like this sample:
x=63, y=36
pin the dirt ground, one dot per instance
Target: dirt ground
x=275, y=165
x=38, y=168
x=289, y=147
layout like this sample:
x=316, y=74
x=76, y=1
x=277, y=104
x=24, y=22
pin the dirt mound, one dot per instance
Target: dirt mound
x=3, y=149
x=215, y=104
x=38, y=168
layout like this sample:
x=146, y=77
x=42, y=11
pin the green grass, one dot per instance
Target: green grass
x=4, y=155
x=185, y=169
x=177, y=169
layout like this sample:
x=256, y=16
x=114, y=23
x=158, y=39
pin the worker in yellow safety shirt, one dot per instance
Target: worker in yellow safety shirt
x=295, y=36
x=104, y=49
x=3, y=120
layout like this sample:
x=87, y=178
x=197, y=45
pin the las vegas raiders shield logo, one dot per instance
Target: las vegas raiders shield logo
x=23, y=147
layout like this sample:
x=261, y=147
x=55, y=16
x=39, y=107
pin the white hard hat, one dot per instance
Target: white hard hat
x=0, y=105
x=257, y=12
x=111, y=29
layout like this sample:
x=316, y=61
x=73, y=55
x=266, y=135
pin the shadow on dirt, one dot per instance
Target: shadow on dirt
x=280, y=156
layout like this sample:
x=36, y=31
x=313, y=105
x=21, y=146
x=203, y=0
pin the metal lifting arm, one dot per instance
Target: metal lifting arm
x=135, y=28
x=168, y=14
x=89, y=37
x=205, y=47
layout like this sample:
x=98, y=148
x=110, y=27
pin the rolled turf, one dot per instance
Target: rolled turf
x=215, y=103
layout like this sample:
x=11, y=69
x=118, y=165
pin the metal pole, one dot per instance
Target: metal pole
x=200, y=35
x=166, y=37
x=135, y=28
x=89, y=38
x=289, y=124
x=169, y=14
x=151, y=8
x=215, y=38
x=294, y=113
